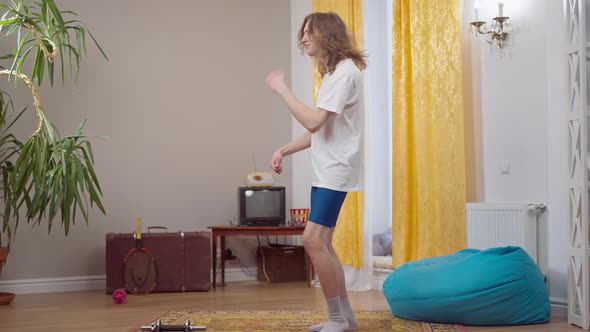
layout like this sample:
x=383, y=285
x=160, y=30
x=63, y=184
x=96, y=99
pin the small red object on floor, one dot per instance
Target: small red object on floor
x=119, y=296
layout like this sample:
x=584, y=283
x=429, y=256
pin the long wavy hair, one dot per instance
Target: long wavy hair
x=329, y=32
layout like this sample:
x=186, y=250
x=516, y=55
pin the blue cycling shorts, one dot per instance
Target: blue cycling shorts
x=325, y=206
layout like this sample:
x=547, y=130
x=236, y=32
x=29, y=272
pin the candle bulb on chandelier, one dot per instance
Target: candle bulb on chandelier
x=476, y=9
x=500, y=9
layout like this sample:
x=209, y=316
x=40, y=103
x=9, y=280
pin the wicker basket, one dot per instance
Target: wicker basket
x=278, y=264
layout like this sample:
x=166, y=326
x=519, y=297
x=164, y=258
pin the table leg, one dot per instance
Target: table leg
x=222, y=240
x=214, y=254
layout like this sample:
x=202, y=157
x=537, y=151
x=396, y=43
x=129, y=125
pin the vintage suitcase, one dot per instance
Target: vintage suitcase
x=183, y=260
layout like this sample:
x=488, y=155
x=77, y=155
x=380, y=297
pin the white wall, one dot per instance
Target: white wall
x=521, y=100
x=556, y=228
x=377, y=18
x=514, y=108
x=302, y=87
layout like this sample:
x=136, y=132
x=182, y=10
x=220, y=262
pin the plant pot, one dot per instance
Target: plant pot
x=6, y=298
x=3, y=255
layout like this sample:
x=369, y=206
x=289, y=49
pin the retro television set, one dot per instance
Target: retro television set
x=261, y=206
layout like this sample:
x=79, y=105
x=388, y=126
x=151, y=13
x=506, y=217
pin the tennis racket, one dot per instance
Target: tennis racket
x=140, y=273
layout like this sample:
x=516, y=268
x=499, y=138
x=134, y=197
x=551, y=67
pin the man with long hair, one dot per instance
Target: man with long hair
x=335, y=134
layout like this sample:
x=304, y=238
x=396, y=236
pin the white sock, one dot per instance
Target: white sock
x=348, y=314
x=336, y=321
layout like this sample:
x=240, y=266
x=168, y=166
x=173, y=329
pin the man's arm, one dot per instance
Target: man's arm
x=300, y=143
x=310, y=118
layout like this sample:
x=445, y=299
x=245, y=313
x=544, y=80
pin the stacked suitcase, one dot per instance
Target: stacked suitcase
x=183, y=260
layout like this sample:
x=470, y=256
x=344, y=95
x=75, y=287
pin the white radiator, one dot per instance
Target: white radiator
x=498, y=225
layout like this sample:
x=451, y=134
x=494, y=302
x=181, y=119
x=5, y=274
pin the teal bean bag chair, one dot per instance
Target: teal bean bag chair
x=498, y=286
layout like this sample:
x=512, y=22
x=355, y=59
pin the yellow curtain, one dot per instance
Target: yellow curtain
x=348, y=236
x=428, y=137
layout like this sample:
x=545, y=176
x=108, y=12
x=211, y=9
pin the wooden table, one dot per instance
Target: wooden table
x=223, y=231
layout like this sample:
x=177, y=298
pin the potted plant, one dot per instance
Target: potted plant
x=47, y=176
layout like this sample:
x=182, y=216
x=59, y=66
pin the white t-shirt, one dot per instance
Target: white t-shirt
x=337, y=147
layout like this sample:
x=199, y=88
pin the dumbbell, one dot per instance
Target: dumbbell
x=187, y=327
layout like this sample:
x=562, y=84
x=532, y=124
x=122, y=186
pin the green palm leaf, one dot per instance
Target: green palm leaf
x=47, y=176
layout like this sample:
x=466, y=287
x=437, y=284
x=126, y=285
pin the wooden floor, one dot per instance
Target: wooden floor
x=94, y=311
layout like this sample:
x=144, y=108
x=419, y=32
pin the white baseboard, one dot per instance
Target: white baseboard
x=379, y=276
x=558, y=307
x=53, y=285
x=234, y=274
x=86, y=283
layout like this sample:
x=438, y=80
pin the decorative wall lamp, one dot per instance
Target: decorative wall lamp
x=498, y=30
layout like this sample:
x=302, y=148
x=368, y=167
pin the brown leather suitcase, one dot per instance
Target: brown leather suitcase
x=183, y=260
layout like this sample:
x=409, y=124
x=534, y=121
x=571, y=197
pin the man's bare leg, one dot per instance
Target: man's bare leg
x=343, y=294
x=317, y=241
